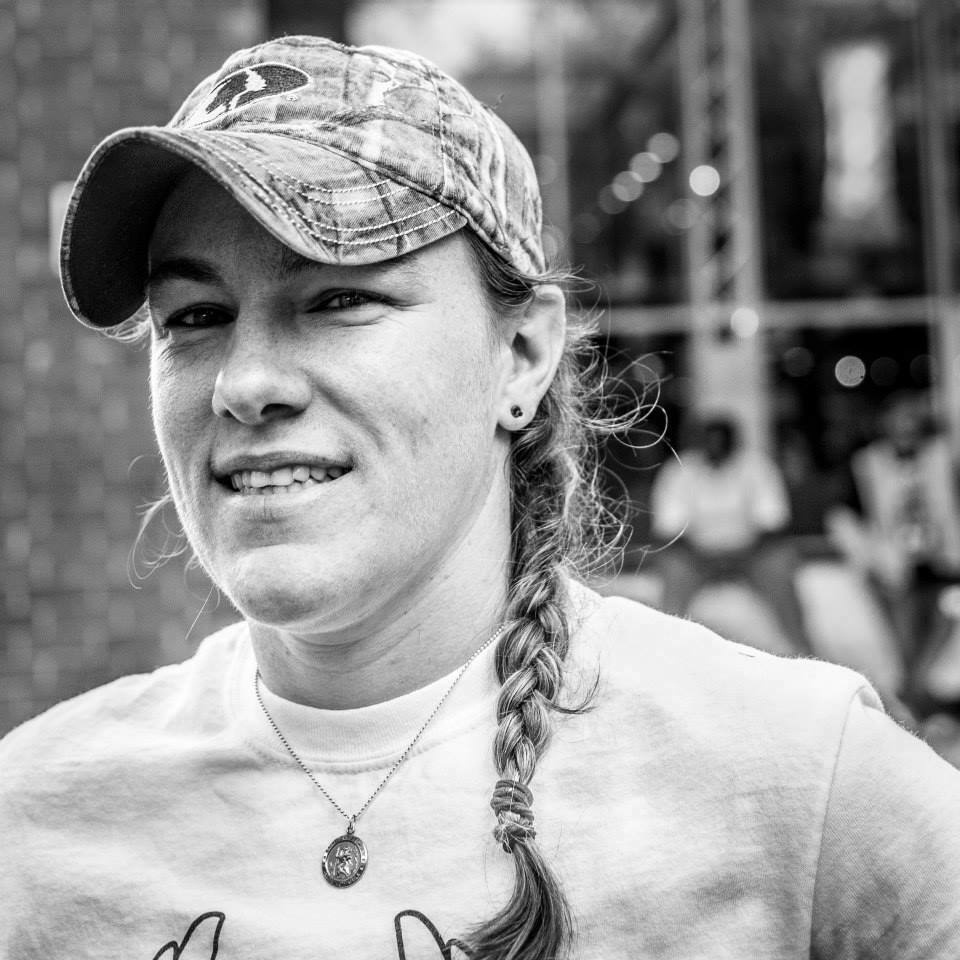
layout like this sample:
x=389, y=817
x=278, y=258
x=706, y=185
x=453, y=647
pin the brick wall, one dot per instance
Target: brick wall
x=77, y=460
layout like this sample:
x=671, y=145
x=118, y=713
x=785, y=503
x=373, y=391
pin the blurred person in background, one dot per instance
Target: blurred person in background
x=902, y=528
x=723, y=510
x=380, y=437
x=845, y=620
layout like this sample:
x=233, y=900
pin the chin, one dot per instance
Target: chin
x=296, y=589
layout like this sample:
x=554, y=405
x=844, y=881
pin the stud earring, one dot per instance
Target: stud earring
x=516, y=412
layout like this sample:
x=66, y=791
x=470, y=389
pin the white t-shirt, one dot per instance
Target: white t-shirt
x=719, y=507
x=717, y=802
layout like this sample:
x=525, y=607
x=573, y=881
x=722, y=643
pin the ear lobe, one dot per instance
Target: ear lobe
x=535, y=346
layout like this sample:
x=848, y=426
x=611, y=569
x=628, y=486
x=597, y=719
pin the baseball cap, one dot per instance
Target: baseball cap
x=347, y=155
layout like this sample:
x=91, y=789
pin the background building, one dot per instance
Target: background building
x=765, y=193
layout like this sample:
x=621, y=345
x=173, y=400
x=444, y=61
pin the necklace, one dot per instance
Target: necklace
x=345, y=858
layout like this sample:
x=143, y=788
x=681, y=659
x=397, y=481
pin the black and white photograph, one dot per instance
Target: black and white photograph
x=480, y=479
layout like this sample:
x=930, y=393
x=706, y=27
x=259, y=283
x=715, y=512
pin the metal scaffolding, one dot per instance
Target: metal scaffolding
x=722, y=246
x=937, y=110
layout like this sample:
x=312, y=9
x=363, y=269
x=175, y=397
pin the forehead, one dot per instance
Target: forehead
x=200, y=220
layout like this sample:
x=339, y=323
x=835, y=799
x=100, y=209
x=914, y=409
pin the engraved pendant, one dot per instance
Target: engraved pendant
x=345, y=859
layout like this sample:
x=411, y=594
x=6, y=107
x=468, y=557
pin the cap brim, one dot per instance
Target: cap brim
x=348, y=213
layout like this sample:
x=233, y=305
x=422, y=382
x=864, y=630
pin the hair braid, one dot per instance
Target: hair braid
x=557, y=523
x=536, y=921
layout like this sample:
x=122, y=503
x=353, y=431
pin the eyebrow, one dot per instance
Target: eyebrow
x=291, y=264
x=181, y=268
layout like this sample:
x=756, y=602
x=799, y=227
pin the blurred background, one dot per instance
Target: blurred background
x=766, y=195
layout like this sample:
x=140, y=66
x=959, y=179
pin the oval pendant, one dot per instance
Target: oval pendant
x=344, y=860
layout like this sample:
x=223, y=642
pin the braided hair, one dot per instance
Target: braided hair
x=559, y=525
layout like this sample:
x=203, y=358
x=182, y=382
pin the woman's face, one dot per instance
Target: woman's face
x=329, y=433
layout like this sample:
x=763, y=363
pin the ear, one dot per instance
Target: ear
x=534, y=345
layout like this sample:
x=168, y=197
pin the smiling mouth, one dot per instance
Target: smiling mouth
x=283, y=480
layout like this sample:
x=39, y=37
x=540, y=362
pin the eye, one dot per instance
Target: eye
x=196, y=317
x=347, y=300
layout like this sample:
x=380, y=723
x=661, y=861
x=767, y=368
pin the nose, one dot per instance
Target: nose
x=260, y=379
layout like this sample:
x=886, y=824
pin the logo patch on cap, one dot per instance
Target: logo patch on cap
x=245, y=86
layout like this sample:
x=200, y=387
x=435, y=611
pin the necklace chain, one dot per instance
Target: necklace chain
x=353, y=818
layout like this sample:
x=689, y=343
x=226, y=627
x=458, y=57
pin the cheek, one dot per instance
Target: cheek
x=453, y=421
x=448, y=407
x=177, y=399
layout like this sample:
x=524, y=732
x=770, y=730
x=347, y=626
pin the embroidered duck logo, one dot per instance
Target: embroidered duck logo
x=245, y=86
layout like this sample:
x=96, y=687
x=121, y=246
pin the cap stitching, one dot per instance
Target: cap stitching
x=440, y=127
x=268, y=165
x=330, y=202
x=393, y=235
x=332, y=194
x=309, y=220
x=385, y=223
x=311, y=192
x=293, y=216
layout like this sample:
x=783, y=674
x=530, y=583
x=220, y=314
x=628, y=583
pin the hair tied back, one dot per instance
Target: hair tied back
x=512, y=802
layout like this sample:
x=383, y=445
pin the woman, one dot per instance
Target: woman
x=371, y=411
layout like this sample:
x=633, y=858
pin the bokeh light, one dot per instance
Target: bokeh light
x=609, y=202
x=646, y=166
x=682, y=214
x=850, y=371
x=704, y=180
x=627, y=186
x=745, y=322
x=797, y=362
x=664, y=146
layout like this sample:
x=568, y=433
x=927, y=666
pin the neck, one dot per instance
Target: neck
x=426, y=633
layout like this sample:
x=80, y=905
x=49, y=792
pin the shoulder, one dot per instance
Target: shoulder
x=651, y=661
x=110, y=719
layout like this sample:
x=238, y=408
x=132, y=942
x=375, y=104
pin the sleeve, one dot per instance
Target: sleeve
x=668, y=501
x=888, y=880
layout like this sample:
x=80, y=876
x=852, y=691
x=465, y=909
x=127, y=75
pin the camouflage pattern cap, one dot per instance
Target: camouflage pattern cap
x=347, y=155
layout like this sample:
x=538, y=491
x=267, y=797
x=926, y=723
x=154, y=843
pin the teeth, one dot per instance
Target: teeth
x=284, y=479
